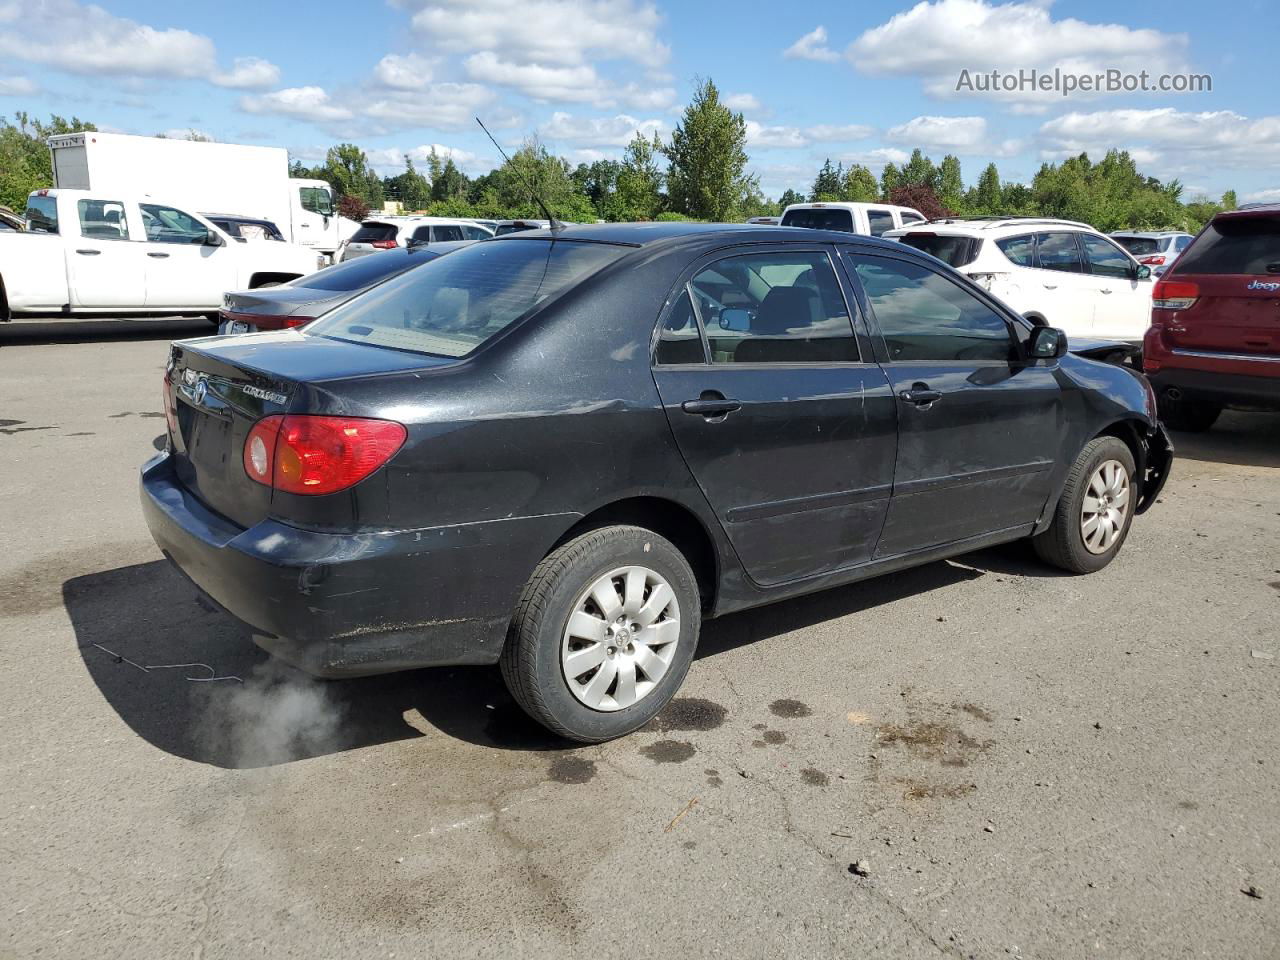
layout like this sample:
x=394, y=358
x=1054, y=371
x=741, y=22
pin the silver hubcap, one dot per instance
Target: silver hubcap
x=620, y=638
x=1106, y=505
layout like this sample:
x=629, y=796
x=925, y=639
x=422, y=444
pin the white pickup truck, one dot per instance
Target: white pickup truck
x=85, y=254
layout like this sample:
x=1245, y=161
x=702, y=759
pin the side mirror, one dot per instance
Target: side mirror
x=416, y=244
x=211, y=239
x=1144, y=272
x=735, y=318
x=1047, y=343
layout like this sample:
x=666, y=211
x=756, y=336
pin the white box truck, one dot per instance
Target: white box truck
x=209, y=178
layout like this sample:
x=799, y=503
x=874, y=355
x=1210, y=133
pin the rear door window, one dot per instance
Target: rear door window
x=451, y=305
x=679, y=339
x=42, y=214
x=1105, y=258
x=774, y=308
x=1140, y=246
x=1235, y=245
x=1058, y=251
x=910, y=218
x=102, y=219
x=879, y=221
x=1020, y=250
x=822, y=218
x=446, y=233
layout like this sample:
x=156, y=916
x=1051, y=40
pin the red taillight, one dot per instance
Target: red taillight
x=170, y=410
x=383, y=244
x=297, y=321
x=1152, y=261
x=1174, y=294
x=264, y=321
x=299, y=453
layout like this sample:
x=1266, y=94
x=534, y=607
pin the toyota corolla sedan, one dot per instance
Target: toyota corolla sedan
x=562, y=451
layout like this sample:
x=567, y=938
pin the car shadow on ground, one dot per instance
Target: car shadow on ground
x=19, y=332
x=1240, y=438
x=188, y=679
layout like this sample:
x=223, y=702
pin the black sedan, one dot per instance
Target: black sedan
x=561, y=451
x=300, y=301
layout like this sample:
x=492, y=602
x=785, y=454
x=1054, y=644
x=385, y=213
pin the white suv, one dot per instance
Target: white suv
x=387, y=233
x=1058, y=272
x=869, y=219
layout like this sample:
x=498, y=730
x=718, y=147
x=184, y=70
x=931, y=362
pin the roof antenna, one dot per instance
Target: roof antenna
x=556, y=225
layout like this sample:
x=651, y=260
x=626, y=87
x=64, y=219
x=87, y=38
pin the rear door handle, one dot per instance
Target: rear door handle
x=1106, y=290
x=711, y=407
x=89, y=253
x=1051, y=286
x=920, y=396
x=158, y=256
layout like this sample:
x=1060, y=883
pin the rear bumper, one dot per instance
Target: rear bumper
x=1228, y=389
x=353, y=604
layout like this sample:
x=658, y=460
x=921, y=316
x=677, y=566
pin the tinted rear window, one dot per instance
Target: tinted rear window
x=373, y=232
x=356, y=274
x=505, y=228
x=841, y=220
x=453, y=304
x=1248, y=245
x=1139, y=246
x=956, y=251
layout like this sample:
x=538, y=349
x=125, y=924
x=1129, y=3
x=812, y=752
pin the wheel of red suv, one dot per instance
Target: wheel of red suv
x=1189, y=416
x=603, y=634
x=1093, y=515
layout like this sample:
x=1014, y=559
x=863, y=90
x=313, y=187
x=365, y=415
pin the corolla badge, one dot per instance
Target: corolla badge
x=1270, y=287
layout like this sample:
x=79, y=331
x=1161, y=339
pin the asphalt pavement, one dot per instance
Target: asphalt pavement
x=1027, y=764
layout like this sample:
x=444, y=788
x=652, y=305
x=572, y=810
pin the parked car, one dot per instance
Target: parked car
x=504, y=227
x=1156, y=250
x=561, y=453
x=245, y=229
x=297, y=303
x=765, y=221
x=1214, y=340
x=872, y=219
x=386, y=233
x=1056, y=272
x=86, y=254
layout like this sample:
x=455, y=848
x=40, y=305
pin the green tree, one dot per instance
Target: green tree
x=347, y=169
x=707, y=175
x=919, y=172
x=860, y=185
x=828, y=185
x=25, y=164
x=789, y=197
x=533, y=172
x=950, y=184
x=449, y=183
x=890, y=177
x=984, y=199
x=411, y=188
x=1229, y=201
x=639, y=180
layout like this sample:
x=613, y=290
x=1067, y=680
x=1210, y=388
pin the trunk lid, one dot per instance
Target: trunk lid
x=1235, y=263
x=219, y=387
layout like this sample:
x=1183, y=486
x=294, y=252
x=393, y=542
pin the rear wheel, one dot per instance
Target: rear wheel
x=603, y=634
x=1190, y=416
x=1096, y=508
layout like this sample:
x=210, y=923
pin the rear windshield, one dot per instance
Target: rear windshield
x=956, y=251
x=453, y=304
x=505, y=228
x=841, y=220
x=1247, y=245
x=363, y=271
x=1139, y=246
x=373, y=232
x=42, y=214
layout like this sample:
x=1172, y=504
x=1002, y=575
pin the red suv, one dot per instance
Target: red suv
x=1214, y=339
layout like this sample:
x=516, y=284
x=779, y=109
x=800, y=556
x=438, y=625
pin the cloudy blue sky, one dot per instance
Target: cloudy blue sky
x=862, y=82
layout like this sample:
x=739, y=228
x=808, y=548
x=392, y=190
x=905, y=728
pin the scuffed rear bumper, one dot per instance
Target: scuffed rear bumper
x=353, y=604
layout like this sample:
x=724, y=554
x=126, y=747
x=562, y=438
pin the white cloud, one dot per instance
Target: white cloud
x=741, y=102
x=17, y=86
x=763, y=137
x=937, y=40
x=877, y=158
x=547, y=32
x=570, y=84
x=403, y=72
x=390, y=160
x=644, y=97
x=827, y=133
x=615, y=131
x=1176, y=142
x=812, y=46
x=248, y=73
x=301, y=103
x=1263, y=196
x=941, y=133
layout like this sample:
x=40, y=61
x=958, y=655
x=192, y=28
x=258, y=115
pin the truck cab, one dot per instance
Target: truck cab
x=88, y=253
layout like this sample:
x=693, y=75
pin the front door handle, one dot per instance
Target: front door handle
x=920, y=395
x=89, y=253
x=1051, y=286
x=1105, y=290
x=711, y=405
x=158, y=256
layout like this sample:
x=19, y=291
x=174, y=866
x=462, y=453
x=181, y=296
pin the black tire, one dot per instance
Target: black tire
x=531, y=658
x=1189, y=416
x=1062, y=545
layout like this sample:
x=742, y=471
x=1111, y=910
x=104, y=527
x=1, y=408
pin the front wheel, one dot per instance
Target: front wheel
x=1095, y=510
x=603, y=634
